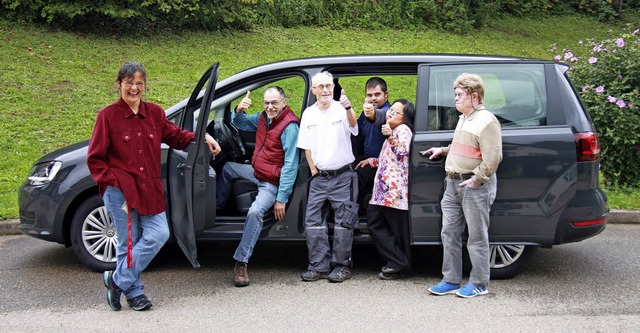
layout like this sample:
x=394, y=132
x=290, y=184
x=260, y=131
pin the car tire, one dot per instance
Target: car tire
x=506, y=260
x=93, y=236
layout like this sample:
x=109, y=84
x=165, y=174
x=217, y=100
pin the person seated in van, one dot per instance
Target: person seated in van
x=273, y=168
x=368, y=142
x=388, y=211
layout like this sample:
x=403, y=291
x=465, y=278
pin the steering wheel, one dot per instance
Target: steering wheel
x=229, y=139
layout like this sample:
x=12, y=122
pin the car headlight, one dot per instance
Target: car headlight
x=43, y=173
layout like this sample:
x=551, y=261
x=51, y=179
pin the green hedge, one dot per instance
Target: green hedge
x=149, y=15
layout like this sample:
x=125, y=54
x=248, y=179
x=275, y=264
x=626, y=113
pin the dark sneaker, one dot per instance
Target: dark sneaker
x=240, y=274
x=339, y=274
x=387, y=269
x=113, y=292
x=310, y=276
x=139, y=303
x=392, y=276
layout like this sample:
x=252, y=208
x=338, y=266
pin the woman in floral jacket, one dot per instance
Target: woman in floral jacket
x=388, y=211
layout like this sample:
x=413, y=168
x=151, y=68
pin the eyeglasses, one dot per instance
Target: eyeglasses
x=394, y=112
x=322, y=87
x=131, y=84
x=274, y=103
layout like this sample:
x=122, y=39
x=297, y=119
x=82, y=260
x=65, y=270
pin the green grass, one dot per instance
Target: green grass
x=52, y=83
x=623, y=198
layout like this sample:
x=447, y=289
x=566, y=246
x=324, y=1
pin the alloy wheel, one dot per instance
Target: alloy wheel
x=99, y=235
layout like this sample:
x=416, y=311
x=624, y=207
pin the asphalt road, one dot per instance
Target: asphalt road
x=588, y=286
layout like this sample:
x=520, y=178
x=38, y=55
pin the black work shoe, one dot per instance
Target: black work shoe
x=139, y=303
x=310, y=276
x=392, y=276
x=339, y=274
x=240, y=274
x=113, y=292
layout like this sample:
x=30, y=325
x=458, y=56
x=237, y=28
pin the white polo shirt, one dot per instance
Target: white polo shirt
x=327, y=134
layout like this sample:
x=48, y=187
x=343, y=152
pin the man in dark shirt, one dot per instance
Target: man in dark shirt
x=369, y=140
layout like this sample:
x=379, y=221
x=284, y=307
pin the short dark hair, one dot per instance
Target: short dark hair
x=376, y=81
x=278, y=89
x=129, y=69
x=408, y=111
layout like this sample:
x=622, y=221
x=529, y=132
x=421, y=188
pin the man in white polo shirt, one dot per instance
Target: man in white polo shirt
x=325, y=135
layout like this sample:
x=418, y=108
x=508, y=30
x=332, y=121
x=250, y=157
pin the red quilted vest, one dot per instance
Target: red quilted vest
x=268, y=157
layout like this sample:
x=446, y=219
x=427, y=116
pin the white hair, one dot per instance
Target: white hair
x=317, y=76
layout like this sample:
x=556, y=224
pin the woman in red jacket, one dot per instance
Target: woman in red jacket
x=124, y=160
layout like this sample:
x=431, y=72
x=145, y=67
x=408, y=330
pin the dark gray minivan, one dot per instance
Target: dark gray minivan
x=548, y=190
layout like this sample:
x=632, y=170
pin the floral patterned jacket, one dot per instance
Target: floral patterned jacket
x=391, y=183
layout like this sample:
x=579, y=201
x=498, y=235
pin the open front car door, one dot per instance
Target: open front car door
x=189, y=175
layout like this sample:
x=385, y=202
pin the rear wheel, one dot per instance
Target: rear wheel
x=505, y=261
x=93, y=236
x=508, y=261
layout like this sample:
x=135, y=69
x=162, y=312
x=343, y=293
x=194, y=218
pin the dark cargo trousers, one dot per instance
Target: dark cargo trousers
x=340, y=191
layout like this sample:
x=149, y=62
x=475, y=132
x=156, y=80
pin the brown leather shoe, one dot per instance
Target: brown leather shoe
x=240, y=275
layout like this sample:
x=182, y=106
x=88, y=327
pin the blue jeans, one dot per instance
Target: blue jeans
x=148, y=234
x=265, y=199
x=231, y=172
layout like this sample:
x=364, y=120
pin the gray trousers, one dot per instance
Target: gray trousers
x=338, y=191
x=473, y=205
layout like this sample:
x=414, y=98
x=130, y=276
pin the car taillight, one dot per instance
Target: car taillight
x=587, y=146
x=589, y=223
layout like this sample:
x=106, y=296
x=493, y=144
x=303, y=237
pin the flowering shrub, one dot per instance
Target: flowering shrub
x=607, y=76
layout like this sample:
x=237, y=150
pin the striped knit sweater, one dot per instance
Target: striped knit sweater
x=476, y=147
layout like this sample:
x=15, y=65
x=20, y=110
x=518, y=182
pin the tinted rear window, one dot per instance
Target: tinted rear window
x=515, y=93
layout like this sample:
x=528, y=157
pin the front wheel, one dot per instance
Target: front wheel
x=93, y=236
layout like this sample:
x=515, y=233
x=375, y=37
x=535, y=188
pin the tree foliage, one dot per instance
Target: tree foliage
x=147, y=15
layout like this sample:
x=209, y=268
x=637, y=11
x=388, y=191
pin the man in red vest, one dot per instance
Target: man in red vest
x=273, y=169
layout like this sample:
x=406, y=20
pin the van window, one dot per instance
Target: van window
x=514, y=93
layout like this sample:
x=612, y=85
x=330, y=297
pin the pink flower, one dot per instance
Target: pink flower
x=600, y=89
x=621, y=103
x=635, y=32
x=557, y=57
x=580, y=41
x=585, y=88
x=554, y=47
x=574, y=59
x=568, y=55
x=612, y=99
x=620, y=42
x=593, y=60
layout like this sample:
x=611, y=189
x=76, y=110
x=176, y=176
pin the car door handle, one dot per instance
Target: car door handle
x=437, y=159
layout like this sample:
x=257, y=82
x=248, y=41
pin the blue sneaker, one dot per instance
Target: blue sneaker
x=443, y=288
x=470, y=290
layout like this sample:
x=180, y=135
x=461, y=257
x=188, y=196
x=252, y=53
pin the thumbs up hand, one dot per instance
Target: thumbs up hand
x=368, y=109
x=245, y=103
x=386, y=129
x=344, y=100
